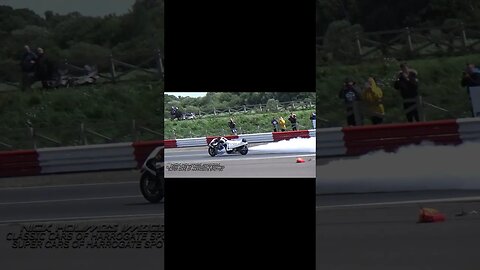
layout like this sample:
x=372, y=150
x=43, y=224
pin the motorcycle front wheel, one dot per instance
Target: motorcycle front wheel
x=152, y=189
x=212, y=152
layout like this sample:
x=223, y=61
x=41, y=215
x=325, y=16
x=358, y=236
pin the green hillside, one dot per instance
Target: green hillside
x=57, y=114
x=439, y=83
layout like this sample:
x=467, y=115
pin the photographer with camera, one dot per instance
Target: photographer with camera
x=407, y=84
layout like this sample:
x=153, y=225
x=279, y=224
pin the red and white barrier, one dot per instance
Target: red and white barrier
x=251, y=138
x=353, y=141
x=21, y=163
x=330, y=142
x=101, y=157
x=104, y=157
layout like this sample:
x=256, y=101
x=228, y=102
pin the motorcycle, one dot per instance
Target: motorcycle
x=152, y=182
x=63, y=79
x=230, y=146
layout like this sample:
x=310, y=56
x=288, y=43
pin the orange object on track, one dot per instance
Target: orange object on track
x=300, y=160
x=430, y=215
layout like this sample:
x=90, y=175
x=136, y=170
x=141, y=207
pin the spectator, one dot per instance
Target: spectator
x=407, y=84
x=471, y=76
x=313, y=117
x=282, y=123
x=232, y=126
x=350, y=94
x=275, y=125
x=43, y=68
x=27, y=64
x=293, y=121
x=372, y=98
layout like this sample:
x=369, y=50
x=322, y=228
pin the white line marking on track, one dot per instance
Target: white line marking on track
x=234, y=159
x=69, y=200
x=187, y=155
x=442, y=200
x=74, y=185
x=5, y=222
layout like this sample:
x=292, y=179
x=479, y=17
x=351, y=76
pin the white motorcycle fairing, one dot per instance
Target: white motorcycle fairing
x=232, y=144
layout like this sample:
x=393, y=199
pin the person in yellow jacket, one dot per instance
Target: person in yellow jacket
x=372, y=99
x=283, y=126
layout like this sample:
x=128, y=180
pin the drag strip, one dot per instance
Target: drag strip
x=77, y=201
x=235, y=165
x=380, y=231
x=90, y=199
x=201, y=154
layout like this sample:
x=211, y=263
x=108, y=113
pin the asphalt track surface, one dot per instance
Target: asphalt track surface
x=103, y=198
x=251, y=165
x=380, y=231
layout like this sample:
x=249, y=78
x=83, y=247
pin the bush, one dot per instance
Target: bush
x=83, y=53
x=339, y=40
x=272, y=105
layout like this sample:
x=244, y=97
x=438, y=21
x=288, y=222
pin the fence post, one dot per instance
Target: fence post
x=134, y=130
x=112, y=69
x=464, y=37
x=244, y=108
x=421, y=112
x=229, y=111
x=33, y=137
x=261, y=108
x=293, y=105
x=359, y=45
x=409, y=40
x=82, y=133
x=160, y=64
x=214, y=111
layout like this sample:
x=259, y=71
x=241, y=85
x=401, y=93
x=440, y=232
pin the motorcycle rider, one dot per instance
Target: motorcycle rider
x=219, y=142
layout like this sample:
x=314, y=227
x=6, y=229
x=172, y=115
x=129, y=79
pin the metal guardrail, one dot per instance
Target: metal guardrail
x=102, y=157
x=251, y=138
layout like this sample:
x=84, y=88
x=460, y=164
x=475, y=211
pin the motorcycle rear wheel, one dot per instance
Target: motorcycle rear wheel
x=244, y=150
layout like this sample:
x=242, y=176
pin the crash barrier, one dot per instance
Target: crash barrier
x=23, y=162
x=251, y=138
x=101, y=157
x=358, y=140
